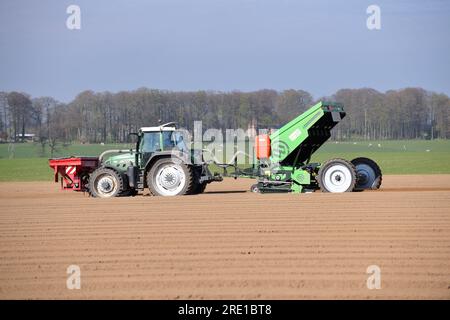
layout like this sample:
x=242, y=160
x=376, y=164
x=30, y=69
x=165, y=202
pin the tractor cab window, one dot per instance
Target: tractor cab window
x=150, y=142
x=168, y=141
x=180, y=141
x=173, y=140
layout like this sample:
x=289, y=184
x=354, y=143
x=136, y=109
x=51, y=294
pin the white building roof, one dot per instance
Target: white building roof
x=29, y=135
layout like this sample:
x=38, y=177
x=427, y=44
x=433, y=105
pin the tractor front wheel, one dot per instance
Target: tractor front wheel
x=105, y=183
x=337, y=175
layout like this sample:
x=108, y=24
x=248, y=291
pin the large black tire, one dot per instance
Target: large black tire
x=368, y=174
x=105, y=183
x=169, y=178
x=337, y=175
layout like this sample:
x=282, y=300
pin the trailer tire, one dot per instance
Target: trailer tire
x=105, y=183
x=168, y=178
x=337, y=175
x=368, y=174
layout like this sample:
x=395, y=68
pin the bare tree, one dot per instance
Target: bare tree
x=21, y=107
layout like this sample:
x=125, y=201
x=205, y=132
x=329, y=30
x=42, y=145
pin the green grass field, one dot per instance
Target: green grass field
x=26, y=162
x=394, y=157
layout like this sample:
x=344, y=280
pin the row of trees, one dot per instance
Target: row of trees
x=411, y=113
x=109, y=117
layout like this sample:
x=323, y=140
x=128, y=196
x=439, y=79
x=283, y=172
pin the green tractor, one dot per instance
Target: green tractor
x=161, y=162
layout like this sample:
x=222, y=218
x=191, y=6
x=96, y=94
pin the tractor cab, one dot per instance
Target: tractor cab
x=152, y=140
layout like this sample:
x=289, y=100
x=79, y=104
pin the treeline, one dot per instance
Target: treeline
x=411, y=113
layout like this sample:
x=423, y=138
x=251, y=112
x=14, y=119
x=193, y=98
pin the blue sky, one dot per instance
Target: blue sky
x=318, y=46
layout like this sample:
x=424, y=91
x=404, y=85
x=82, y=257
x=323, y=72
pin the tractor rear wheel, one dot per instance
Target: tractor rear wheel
x=168, y=178
x=105, y=183
x=337, y=175
x=368, y=174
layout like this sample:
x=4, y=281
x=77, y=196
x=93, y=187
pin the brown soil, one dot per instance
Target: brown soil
x=228, y=243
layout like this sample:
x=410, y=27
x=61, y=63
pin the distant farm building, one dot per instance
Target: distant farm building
x=27, y=137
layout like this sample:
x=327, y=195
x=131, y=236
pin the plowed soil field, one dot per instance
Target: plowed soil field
x=228, y=243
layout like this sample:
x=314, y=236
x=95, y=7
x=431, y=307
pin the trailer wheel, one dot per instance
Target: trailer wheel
x=337, y=175
x=105, y=183
x=254, y=188
x=167, y=178
x=368, y=174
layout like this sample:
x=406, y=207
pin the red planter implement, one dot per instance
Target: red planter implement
x=74, y=171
